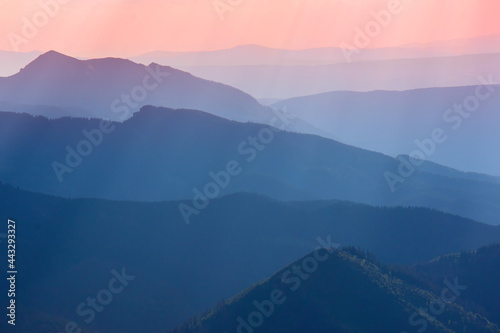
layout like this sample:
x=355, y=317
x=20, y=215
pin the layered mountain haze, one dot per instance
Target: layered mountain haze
x=446, y=63
x=55, y=85
x=165, y=154
x=229, y=166
x=392, y=122
x=236, y=242
x=255, y=55
x=106, y=88
x=276, y=73
x=282, y=81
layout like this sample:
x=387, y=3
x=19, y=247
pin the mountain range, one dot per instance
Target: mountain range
x=255, y=55
x=245, y=55
x=391, y=122
x=165, y=154
x=148, y=197
x=288, y=81
x=323, y=291
x=237, y=241
x=114, y=89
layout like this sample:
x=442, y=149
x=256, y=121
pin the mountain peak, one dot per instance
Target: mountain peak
x=53, y=55
x=50, y=59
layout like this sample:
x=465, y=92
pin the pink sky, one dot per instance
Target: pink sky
x=131, y=27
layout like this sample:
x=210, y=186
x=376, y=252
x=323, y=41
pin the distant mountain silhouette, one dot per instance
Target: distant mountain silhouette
x=69, y=247
x=391, y=121
x=165, y=154
x=279, y=80
x=55, y=85
x=342, y=291
x=255, y=55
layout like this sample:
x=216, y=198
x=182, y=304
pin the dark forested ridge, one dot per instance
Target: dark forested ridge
x=69, y=246
x=164, y=154
x=348, y=291
x=479, y=270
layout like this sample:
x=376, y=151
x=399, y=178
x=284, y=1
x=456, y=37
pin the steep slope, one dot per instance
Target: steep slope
x=164, y=154
x=334, y=291
x=12, y=62
x=66, y=250
x=478, y=270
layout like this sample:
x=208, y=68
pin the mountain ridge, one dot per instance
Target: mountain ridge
x=394, y=120
x=225, y=246
x=286, y=166
x=325, y=295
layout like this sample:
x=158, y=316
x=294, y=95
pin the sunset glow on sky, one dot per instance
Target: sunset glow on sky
x=132, y=27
